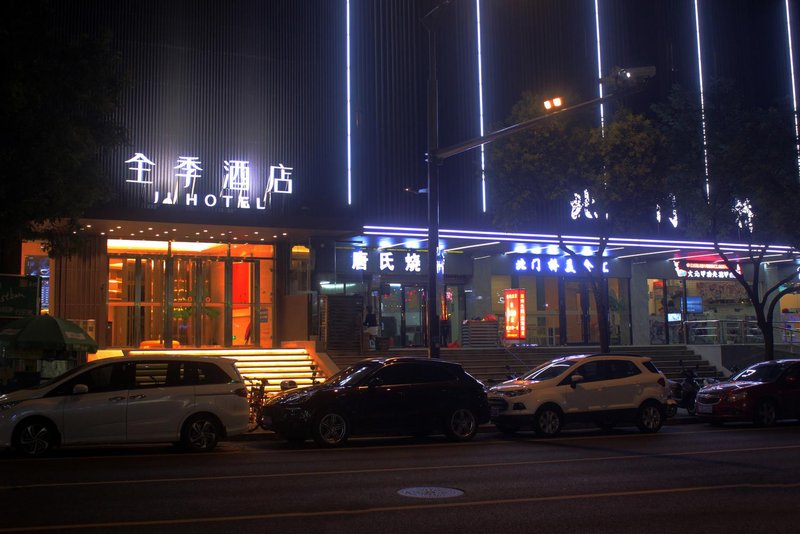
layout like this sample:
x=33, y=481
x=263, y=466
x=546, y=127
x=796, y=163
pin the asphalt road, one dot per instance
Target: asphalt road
x=686, y=478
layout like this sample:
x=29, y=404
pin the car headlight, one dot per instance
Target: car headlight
x=515, y=392
x=8, y=404
x=736, y=397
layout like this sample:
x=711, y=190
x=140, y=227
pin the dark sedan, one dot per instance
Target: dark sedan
x=762, y=393
x=397, y=396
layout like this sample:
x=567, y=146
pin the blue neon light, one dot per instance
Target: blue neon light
x=349, y=131
x=480, y=101
x=794, y=87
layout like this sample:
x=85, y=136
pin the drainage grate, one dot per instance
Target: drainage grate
x=430, y=493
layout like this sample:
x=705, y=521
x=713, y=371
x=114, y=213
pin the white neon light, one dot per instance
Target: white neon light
x=702, y=97
x=473, y=246
x=647, y=254
x=413, y=243
x=480, y=101
x=794, y=87
x=599, y=66
x=349, y=131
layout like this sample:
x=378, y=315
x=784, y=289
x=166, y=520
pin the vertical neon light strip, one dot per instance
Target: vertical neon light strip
x=702, y=97
x=794, y=87
x=480, y=102
x=599, y=67
x=349, y=131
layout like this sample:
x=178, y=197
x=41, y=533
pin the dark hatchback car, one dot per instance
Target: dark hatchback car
x=397, y=396
x=763, y=393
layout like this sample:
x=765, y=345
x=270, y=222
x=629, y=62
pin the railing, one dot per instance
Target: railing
x=725, y=331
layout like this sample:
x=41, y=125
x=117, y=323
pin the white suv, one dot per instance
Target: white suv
x=195, y=401
x=605, y=389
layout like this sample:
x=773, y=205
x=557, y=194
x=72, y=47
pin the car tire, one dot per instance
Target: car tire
x=765, y=414
x=460, y=424
x=331, y=429
x=650, y=417
x=201, y=433
x=548, y=421
x=35, y=437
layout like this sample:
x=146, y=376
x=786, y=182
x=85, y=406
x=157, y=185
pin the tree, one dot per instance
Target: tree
x=58, y=96
x=747, y=194
x=608, y=176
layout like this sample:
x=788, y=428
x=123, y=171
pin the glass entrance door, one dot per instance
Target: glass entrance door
x=415, y=319
x=579, y=313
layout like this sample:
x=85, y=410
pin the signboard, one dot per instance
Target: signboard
x=189, y=181
x=19, y=296
x=515, y=313
x=700, y=270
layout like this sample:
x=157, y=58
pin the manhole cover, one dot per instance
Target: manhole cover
x=430, y=493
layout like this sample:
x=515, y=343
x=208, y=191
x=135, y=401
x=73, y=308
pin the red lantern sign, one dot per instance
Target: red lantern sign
x=515, y=313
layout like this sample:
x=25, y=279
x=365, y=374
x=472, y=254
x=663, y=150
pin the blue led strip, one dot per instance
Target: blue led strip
x=794, y=87
x=480, y=101
x=599, y=66
x=702, y=97
x=349, y=131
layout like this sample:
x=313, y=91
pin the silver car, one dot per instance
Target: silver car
x=193, y=401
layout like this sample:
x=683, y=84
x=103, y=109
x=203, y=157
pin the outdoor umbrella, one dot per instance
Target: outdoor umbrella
x=45, y=332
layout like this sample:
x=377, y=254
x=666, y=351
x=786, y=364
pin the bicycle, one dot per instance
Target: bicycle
x=256, y=395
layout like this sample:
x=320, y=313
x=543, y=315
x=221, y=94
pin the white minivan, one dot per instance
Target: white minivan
x=194, y=401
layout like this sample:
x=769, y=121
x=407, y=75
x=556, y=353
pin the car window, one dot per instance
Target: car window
x=153, y=374
x=759, y=373
x=110, y=377
x=209, y=373
x=621, y=369
x=398, y=373
x=591, y=371
x=546, y=372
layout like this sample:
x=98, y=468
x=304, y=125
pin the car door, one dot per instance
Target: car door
x=623, y=385
x=384, y=402
x=587, y=395
x=789, y=392
x=97, y=416
x=161, y=394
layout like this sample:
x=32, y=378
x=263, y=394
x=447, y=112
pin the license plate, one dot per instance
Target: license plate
x=703, y=408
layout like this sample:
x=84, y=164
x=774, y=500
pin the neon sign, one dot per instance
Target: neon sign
x=236, y=190
x=515, y=313
x=700, y=270
x=557, y=265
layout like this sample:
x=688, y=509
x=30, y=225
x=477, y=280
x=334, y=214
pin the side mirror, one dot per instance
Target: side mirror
x=575, y=379
x=80, y=389
x=288, y=384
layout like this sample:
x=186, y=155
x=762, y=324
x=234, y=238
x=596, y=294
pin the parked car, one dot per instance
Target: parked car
x=396, y=396
x=763, y=393
x=605, y=389
x=195, y=401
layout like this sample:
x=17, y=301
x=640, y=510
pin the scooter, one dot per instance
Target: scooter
x=683, y=392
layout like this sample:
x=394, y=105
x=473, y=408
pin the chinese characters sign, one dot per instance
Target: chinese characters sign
x=557, y=265
x=391, y=262
x=237, y=183
x=699, y=270
x=515, y=313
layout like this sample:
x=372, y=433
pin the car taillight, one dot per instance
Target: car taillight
x=240, y=392
x=661, y=382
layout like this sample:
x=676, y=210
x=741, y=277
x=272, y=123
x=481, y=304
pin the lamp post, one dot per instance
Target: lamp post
x=624, y=80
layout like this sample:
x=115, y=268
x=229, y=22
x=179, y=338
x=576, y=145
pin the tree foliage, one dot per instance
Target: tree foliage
x=58, y=95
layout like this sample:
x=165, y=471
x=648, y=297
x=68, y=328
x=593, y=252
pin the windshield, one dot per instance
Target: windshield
x=548, y=371
x=759, y=373
x=351, y=375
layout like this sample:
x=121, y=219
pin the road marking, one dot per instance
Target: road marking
x=394, y=469
x=403, y=508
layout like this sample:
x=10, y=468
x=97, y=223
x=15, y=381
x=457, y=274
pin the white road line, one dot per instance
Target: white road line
x=412, y=507
x=396, y=469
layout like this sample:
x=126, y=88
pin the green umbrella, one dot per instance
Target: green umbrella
x=45, y=332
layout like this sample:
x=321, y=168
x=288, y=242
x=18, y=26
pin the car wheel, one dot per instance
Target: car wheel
x=35, y=437
x=331, y=429
x=766, y=413
x=650, y=417
x=200, y=433
x=547, y=421
x=461, y=425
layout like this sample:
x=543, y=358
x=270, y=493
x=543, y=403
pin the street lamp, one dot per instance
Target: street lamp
x=624, y=80
x=553, y=103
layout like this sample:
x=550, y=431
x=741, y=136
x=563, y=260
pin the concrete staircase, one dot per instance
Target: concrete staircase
x=492, y=365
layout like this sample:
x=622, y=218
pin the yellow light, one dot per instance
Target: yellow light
x=557, y=101
x=547, y=104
